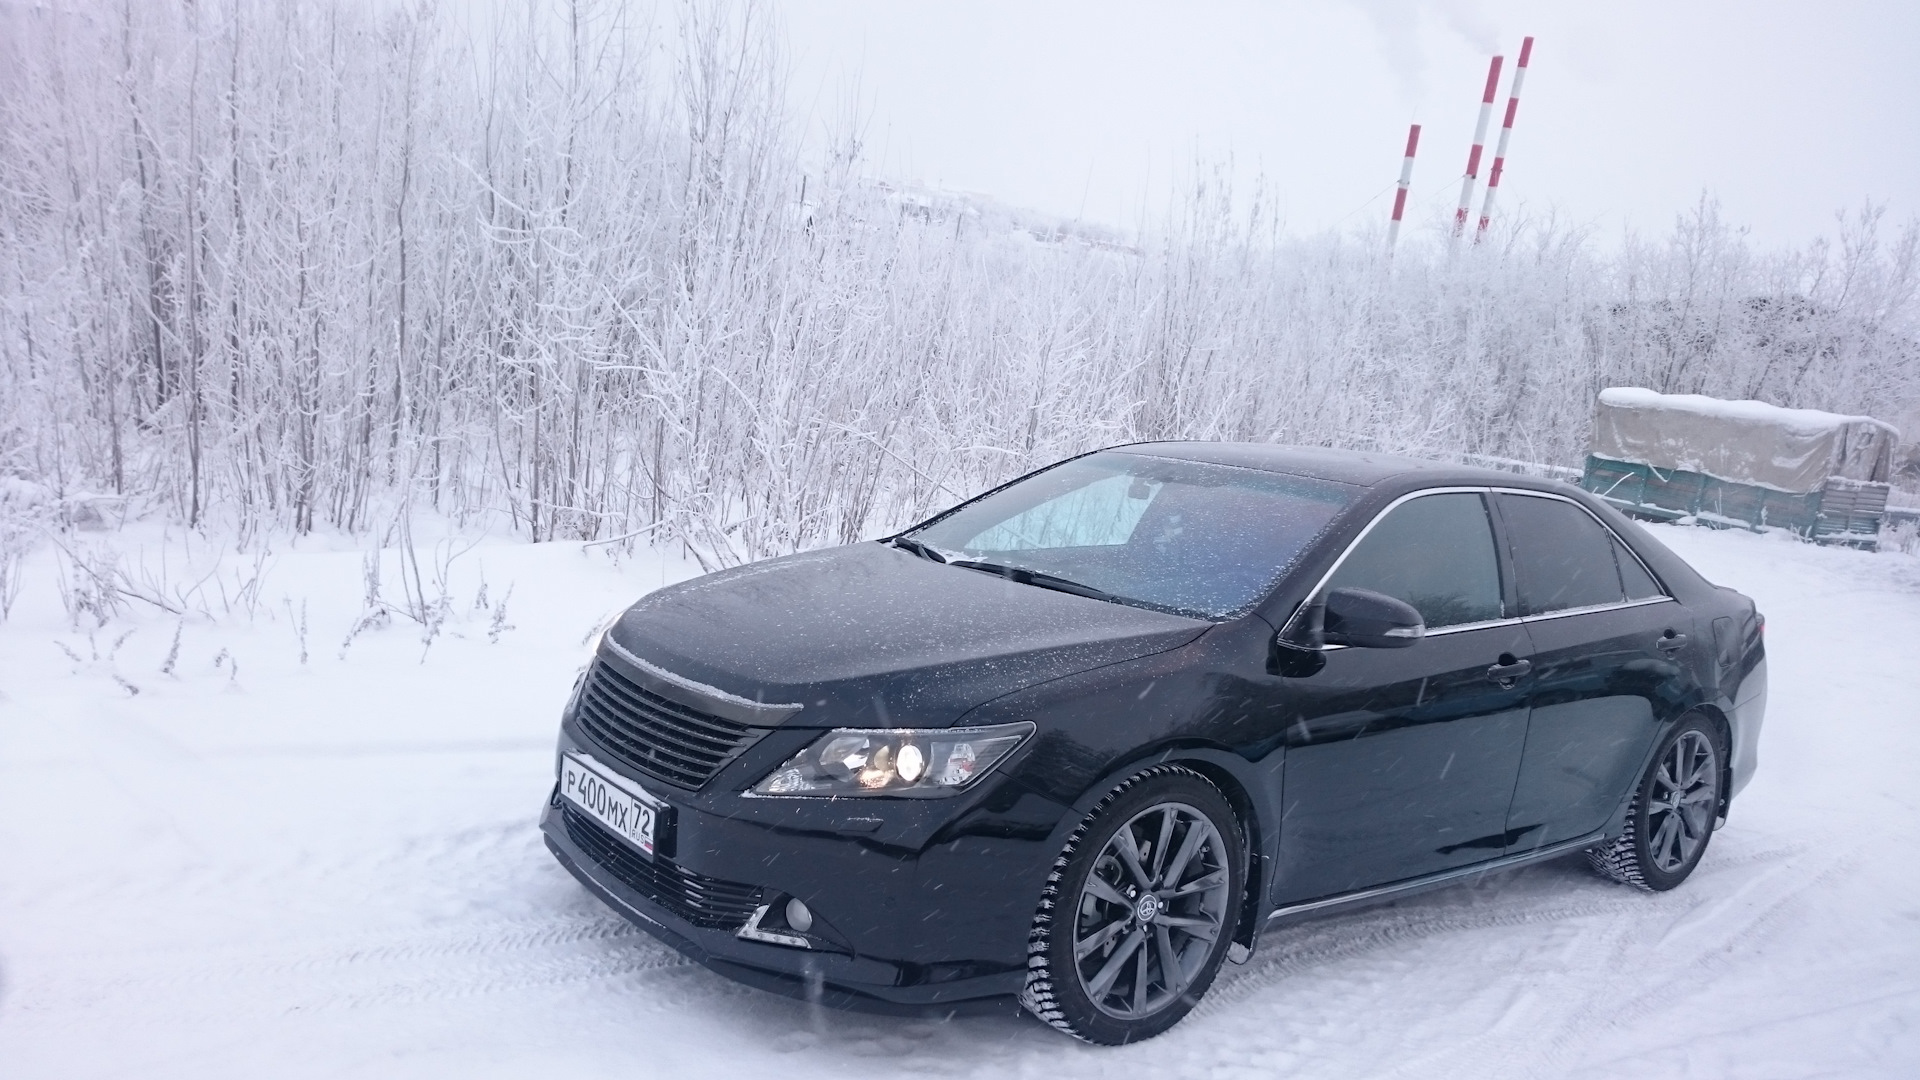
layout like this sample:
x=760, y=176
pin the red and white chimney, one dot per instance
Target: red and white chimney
x=1473, y=156
x=1406, y=179
x=1506, y=132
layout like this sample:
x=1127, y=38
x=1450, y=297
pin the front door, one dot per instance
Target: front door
x=1401, y=762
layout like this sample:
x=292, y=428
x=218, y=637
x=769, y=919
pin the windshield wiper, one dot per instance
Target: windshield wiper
x=908, y=543
x=1035, y=577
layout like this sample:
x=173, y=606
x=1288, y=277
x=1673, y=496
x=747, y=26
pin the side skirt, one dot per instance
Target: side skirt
x=1432, y=881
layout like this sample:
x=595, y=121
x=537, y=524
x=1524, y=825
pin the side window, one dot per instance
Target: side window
x=1562, y=557
x=1640, y=584
x=1434, y=552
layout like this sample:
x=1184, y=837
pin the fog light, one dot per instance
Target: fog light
x=798, y=916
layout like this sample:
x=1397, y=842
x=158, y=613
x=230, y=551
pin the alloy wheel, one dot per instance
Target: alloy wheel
x=1681, y=805
x=1157, y=899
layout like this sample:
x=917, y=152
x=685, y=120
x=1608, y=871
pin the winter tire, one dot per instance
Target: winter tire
x=1673, y=813
x=1138, y=910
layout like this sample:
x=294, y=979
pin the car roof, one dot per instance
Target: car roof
x=1357, y=467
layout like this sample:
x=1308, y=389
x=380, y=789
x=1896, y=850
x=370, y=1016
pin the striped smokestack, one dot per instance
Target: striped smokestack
x=1506, y=132
x=1473, y=156
x=1400, y=196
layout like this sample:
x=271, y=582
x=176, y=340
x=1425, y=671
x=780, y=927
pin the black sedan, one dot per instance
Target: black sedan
x=1078, y=740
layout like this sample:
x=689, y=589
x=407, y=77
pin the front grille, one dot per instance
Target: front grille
x=701, y=900
x=661, y=738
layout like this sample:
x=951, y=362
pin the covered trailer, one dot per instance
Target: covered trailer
x=1745, y=463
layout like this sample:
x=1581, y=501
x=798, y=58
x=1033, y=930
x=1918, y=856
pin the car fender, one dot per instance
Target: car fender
x=1187, y=703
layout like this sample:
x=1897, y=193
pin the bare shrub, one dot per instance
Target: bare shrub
x=592, y=286
x=299, y=621
x=172, y=659
x=498, y=624
x=13, y=552
x=89, y=586
x=1903, y=536
x=97, y=662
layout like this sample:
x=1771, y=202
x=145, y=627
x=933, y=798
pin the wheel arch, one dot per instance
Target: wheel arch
x=1716, y=719
x=1723, y=727
x=1232, y=776
x=1253, y=883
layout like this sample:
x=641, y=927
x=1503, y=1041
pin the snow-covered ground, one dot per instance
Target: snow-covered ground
x=268, y=868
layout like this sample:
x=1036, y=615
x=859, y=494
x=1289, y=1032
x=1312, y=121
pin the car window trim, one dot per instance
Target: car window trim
x=1665, y=593
x=1591, y=608
x=1362, y=535
x=1461, y=628
x=1506, y=561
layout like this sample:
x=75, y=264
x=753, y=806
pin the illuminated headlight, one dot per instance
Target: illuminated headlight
x=906, y=764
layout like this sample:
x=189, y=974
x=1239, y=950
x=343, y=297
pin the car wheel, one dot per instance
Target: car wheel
x=1673, y=814
x=1138, y=911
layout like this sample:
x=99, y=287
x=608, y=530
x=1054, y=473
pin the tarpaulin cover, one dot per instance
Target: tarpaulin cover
x=1743, y=442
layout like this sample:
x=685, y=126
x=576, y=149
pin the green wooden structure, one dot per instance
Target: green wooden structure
x=1741, y=464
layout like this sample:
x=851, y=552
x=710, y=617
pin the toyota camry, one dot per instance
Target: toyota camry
x=1077, y=741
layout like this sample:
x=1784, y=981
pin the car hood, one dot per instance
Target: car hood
x=870, y=635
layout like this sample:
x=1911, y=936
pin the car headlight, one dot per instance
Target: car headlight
x=912, y=764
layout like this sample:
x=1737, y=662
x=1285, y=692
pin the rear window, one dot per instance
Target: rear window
x=1184, y=536
x=1639, y=584
x=1562, y=557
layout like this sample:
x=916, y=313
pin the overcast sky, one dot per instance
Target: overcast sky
x=1787, y=111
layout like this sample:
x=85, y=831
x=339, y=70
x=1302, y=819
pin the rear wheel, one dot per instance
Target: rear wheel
x=1138, y=911
x=1673, y=814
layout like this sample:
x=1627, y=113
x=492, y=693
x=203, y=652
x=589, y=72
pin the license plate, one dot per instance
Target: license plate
x=613, y=801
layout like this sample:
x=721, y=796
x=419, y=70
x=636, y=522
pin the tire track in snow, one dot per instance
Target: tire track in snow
x=1626, y=974
x=1707, y=939
x=1523, y=897
x=1297, y=1001
x=314, y=957
x=410, y=965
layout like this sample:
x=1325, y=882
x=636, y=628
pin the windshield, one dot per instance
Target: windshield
x=1184, y=536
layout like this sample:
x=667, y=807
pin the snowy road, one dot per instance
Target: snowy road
x=332, y=870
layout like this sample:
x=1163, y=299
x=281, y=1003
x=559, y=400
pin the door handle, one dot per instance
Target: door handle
x=1505, y=673
x=1670, y=641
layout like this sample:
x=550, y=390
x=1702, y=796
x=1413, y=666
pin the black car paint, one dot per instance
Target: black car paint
x=1602, y=687
x=870, y=635
x=1398, y=766
x=927, y=903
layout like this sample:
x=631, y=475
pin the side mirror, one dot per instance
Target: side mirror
x=1365, y=619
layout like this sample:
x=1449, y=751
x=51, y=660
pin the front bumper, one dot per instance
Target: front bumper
x=930, y=921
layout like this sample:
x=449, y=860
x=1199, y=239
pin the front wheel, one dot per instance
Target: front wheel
x=1673, y=814
x=1138, y=911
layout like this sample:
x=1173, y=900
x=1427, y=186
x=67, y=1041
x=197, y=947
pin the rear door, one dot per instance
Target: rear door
x=1401, y=762
x=1608, y=647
